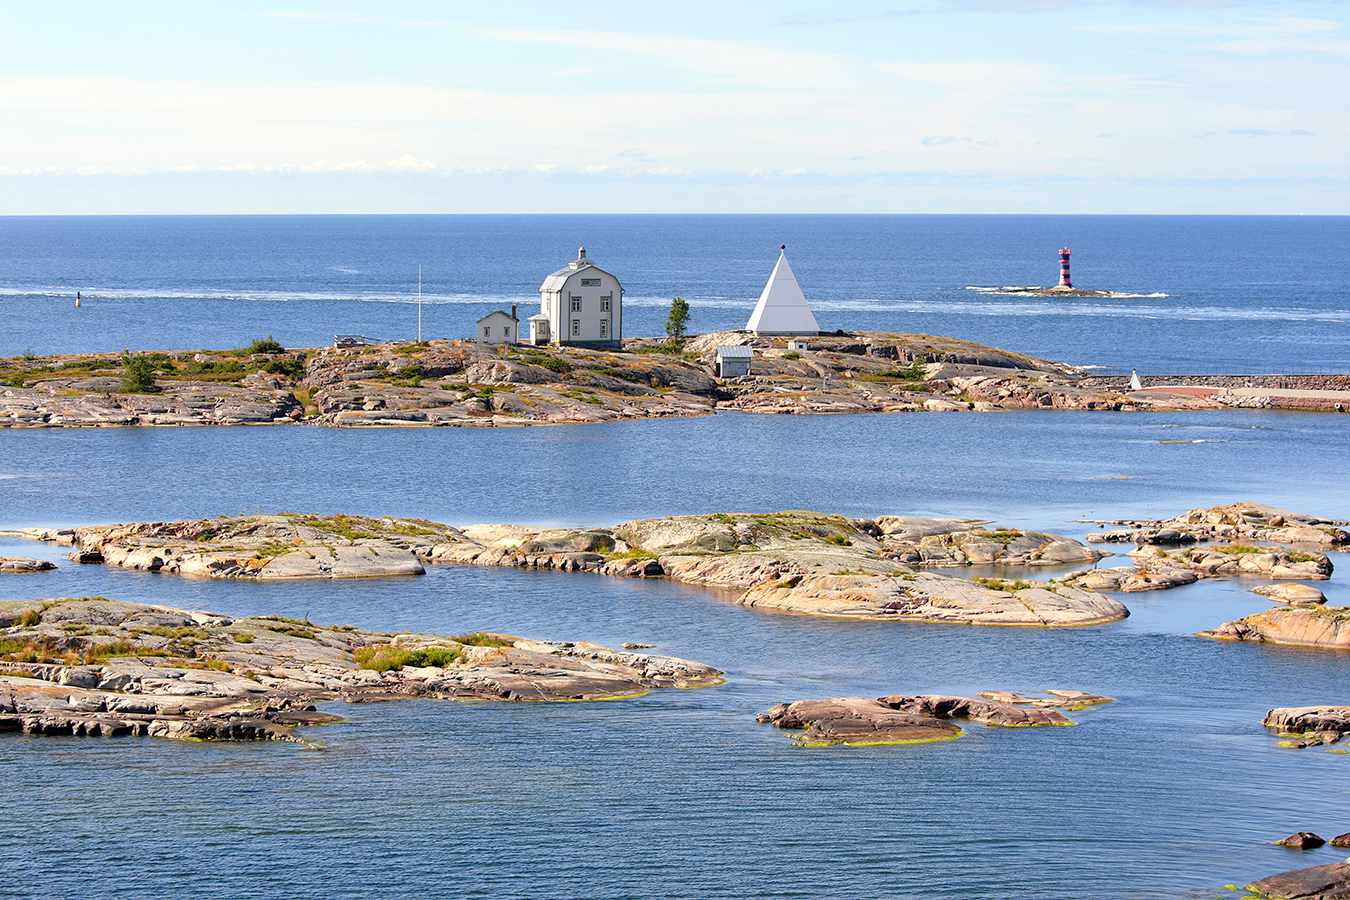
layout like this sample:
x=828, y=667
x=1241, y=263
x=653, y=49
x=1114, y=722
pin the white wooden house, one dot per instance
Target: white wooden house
x=498, y=327
x=579, y=304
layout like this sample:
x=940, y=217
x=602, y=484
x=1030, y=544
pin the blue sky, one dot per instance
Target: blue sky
x=897, y=106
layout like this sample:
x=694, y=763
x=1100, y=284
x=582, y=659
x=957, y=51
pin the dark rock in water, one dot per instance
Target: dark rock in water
x=1314, y=883
x=1302, y=840
x=24, y=564
x=1340, y=840
x=898, y=719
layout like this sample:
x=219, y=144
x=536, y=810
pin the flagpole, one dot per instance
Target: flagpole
x=419, y=303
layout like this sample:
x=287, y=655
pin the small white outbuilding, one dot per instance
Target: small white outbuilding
x=498, y=327
x=733, y=360
x=782, y=307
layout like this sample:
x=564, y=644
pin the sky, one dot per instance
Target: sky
x=893, y=106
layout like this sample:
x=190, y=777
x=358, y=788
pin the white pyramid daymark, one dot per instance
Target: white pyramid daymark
x=782, y=308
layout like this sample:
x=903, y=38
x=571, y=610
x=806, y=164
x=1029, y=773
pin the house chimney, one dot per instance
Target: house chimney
x=513, y=310
x=581, y=253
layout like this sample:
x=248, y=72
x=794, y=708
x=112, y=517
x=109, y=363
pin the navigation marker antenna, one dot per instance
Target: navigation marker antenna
x=419, y=303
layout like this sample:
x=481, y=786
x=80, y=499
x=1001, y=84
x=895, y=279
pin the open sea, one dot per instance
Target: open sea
x=1172, y=791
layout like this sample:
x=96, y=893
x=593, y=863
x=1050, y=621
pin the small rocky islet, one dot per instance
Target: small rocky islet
x=897, y=719
x=463, y=383
x=94, y=666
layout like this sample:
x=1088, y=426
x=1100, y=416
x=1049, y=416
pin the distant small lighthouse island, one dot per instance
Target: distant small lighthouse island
x=1065, y=287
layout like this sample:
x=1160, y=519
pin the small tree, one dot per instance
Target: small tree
x=678, y=319
x=140, y=377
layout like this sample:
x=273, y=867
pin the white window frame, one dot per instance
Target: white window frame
x=576, y=328
x=604, y=304
x=576, y=304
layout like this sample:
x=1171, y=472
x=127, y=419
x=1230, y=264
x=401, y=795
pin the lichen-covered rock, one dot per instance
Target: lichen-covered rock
x=266, y=547
x=1330, y=882
x=1317, y=627
x=1242, y=560
x=1243, y=521
x=1302, y=840
x=930, y=597
x=183, y=674
x=902, y=719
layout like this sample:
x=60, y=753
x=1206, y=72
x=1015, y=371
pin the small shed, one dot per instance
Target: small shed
x=733, y=360
x=498, y=327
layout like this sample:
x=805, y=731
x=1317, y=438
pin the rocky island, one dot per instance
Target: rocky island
x=796, y=561
x=93, y=666
x=859, y=721
x=463, y=383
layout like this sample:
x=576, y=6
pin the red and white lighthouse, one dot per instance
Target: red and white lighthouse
x=1064, y=268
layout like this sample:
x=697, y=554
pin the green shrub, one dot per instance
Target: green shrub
x=839, y=540
x=140, y=373
x=386, y=657
x=294, y=368
x=267, y=346
x=792, y=355
x=480, y=639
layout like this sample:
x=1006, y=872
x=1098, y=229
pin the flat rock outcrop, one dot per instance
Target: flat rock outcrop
x=1309, y=726
x=1243, y=521
x=1292, y=594
x=800, y=561
x=927, y=597
x=859, y=721
x=20, y=564
x=1242, y=560
x=100, y=667
x=1318, y=627
x=266, y=547
x=1331, y=882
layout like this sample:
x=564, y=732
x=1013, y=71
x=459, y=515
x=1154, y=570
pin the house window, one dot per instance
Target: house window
x=506, y=332
x=487, y=331
x=576, y=329
x=590, y=282
x=604, y=329
x=576, y=304
x=604, y=304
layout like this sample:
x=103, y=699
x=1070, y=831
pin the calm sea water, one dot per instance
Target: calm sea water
x=1171, y=791
x=1242, y=294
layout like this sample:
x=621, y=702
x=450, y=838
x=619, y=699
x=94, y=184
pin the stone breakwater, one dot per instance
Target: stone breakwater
x=95, y=666
x=795, y=561
x=859, y=721
x=457, y=383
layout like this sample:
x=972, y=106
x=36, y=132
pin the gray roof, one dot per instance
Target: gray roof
x=581, y=263
x=735, y=351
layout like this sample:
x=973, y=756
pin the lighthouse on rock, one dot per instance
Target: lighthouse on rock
x=1064, y=268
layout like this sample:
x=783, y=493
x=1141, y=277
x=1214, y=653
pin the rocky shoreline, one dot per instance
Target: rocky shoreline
x=889, y=568
x=461, y=383
x=94, y=666
x=796, y=561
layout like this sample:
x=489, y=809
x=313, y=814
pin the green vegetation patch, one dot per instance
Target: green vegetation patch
x=386, y=657
x=999, y=584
